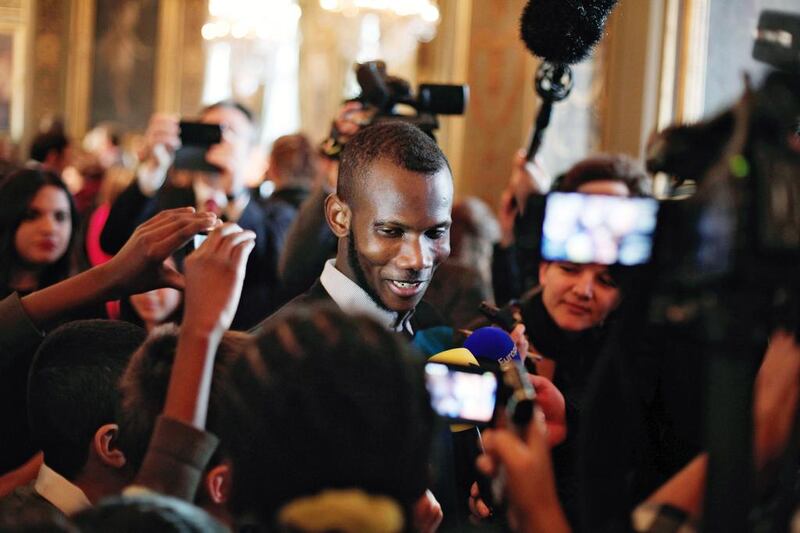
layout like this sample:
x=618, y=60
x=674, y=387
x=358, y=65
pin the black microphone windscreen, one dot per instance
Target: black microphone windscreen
x=563, y=31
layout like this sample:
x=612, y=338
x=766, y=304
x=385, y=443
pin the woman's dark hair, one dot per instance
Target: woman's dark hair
x=611, y=167
x=328, y=402
x=17, y=191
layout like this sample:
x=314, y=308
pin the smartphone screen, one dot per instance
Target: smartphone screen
x=461, y=394
x=592, y=228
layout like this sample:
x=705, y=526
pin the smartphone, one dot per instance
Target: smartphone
x=593, y=228
x=199, y=133
x=196, y=138
x=461, y=393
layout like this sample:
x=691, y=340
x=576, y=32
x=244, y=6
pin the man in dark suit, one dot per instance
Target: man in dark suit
x=223, y=192
x=391, y=215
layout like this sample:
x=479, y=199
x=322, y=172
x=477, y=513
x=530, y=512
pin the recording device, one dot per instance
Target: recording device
x=777, y=40
x=196, y=138
x=386, y=93
x=492, y=347
x=561, y=33
x=593, y=228
x=725, y=260
x=743, y=223
x=506, y=317
x=461, y=394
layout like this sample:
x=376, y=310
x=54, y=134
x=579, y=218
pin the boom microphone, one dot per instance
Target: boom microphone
x=561, y=32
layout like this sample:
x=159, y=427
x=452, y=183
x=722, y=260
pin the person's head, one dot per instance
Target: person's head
x=391, y=212
x=52, y=150
x=153, y=308
x=580, y=297
x=610, y=174
x=103, y=142
x=238, y=131
x=150, y=512
x=143, y=389
x=37, y=226
x=292, y=161
x=330, y=402
x=73, y=400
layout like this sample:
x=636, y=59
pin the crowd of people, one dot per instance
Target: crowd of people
x=180, y=351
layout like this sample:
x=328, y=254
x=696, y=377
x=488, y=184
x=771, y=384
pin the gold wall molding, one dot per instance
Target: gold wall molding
x=79, y=67
x=498, y=74
x=169, y=54
x=15, y=19
x=446, y=60
x=633, y=70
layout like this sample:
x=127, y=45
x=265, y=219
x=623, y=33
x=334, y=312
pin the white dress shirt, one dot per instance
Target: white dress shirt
x=63, y=494
x=354, y=300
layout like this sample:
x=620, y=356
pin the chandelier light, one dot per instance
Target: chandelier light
x=265, y=20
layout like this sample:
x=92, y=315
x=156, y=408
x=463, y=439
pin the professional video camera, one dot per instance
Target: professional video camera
x=742, y=226
x=725, y=265
x=384, y=93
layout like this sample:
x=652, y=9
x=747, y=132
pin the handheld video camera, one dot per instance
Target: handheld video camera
x=385, y=93
x=472, y=395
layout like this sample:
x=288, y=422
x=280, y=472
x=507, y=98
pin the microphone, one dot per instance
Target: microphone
x=493, y=347
x=455, y=356
x=467, y=444
x=561, y=32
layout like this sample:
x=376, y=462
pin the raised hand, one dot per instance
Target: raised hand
x=214, y=276
x=139, y=265
x=528, y=474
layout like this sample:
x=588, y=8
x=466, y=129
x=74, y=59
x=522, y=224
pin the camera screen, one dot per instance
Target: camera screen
x=462, y=395
x=591, y=228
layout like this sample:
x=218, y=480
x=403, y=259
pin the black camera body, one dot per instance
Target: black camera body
x=740, y=232
x=384, y=93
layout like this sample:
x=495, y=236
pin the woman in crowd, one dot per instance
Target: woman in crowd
x=567, y=316
x=153, y=308
x=37, y=223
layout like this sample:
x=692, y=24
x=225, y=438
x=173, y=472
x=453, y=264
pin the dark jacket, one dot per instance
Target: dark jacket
x=309, y=242
x=575, y=355
x=424, y=316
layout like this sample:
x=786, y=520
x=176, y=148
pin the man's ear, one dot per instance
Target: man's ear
x=218, y=483
x=105, y=446
x=338, y=215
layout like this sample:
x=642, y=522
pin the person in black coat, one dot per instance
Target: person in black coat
x=223, y=193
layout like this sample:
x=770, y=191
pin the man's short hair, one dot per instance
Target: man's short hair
x=330, y=401
x=230, y=104
x=143, y=388
x=150, y=512
x=44, y=143
x=400, y=143
x=294, y=158
x=611, y=167
x=72, y=388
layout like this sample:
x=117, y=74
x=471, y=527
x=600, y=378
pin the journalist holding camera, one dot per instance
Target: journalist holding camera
x=202, y=165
